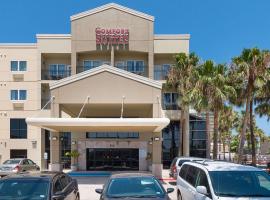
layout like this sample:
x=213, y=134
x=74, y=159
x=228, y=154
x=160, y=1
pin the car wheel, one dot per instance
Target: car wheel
x=179, y=196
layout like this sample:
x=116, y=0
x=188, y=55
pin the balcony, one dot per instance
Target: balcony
x=139, y=70
x=55, y=74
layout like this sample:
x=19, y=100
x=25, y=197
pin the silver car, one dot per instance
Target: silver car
x=18, y=165
x=212, y=180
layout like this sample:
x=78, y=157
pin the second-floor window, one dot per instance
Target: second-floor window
x=90, y=64
x=161, y=71
x=18, y=95
x=18, y=65
x=170, y=101
x=18, y=129
x=135, y=66
x=58, y=71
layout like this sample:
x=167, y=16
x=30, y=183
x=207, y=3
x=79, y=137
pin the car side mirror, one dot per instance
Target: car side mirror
x=58, y=196
x=99, y=191
x=170, y=190
x=201, y=190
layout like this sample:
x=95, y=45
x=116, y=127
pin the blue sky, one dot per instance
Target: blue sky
x=219, y=29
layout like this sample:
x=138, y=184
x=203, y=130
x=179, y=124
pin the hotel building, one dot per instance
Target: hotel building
x=98, y=90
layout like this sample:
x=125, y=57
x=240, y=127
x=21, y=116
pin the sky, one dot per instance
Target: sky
x=219, y=29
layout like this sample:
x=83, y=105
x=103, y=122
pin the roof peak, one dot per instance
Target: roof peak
x=108, y=6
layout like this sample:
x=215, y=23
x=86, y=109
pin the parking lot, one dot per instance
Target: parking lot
x=87, y=186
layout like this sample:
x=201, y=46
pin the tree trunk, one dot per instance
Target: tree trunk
x=208, y=136
x=181, y=136
x=224, y=153
x=243, y=132
x=229, y=144
x=185, y=125
x=252, y=138
x=215, y=138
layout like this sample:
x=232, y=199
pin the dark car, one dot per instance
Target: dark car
x=133, y=186
x=39, y=186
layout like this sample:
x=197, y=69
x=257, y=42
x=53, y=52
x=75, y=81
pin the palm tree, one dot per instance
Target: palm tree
x=262, y=100
x=250, y=67
x=228, y=120
x=212, y=89
x=180, y=78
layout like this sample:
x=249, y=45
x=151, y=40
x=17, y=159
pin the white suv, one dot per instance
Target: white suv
x=221, y=180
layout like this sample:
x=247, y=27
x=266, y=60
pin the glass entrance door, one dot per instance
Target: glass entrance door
x=112, y=159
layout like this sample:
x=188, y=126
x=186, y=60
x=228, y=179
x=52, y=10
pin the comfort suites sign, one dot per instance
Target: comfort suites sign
x=112, y=36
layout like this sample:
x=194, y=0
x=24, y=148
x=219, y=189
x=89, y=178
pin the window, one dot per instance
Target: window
x=65, y=181
x=18, y=129
x=57, y=185
x=161, y=71
x=90, y=64
x=18, y=153
x=18, y=94
x=116, y=135
x=18, y=65
x=59, y=71
x=170, y=101
x=135, y=66
x=192, y=174
x=183, y=172
x=202, y=180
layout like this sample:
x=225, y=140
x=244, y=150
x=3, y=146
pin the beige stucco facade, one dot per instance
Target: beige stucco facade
x=106, y=89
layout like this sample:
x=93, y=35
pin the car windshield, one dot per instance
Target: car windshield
x=241, y=183
x=139, y=187
x=24, y=189
x=11, y=162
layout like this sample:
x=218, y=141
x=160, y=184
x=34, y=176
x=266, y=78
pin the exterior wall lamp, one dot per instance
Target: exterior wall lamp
x=54, y=138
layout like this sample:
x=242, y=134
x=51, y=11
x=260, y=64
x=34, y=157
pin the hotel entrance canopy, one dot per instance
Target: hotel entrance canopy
x=100, y=124
x=105, y=89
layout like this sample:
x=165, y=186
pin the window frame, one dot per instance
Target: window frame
x=18, y=95
x=18, y=132
x=18, y=66
x=92, y=66
x=140, y=69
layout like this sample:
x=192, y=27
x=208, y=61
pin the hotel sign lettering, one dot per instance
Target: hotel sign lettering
x=113, y=36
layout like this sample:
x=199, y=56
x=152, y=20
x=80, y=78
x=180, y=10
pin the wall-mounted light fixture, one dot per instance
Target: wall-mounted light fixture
x=54, y=138
x=73, y=142
x=156, y=138
x=150, y=142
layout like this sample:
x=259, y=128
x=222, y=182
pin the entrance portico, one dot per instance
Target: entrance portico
x=113, y=103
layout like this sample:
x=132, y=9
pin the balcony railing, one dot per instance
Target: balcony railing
x=55, y=74
x=139, y=70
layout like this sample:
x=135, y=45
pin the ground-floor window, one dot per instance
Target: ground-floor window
x=172, y=139
x=112, y=135
x=65, y=146
x=18, y=153
x=112, y=159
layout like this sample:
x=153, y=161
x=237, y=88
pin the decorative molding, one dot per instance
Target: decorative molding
x=18, y=45
x=108, y=6
x=53, y=36
x=172, y=36
x=106, y=68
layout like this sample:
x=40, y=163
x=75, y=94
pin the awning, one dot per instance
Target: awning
x=99, y=124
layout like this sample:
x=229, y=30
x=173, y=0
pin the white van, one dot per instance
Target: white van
x=221, y=181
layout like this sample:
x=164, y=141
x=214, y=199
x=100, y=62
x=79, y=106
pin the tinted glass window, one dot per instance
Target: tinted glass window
x=183, y=171
x=22, y=65
x=241, y=183
x=18, y=128
x=14, y=65
x=191, y=176
x=64, y=181
x=202, y=180
x=24, y=189
x=11, y=162
x=57, y=186
x=18, y=153
x=180, y=163
x=135, y=186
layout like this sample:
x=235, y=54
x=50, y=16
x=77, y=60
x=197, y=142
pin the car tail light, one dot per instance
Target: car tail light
x=174, y=169
x=16, y=169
